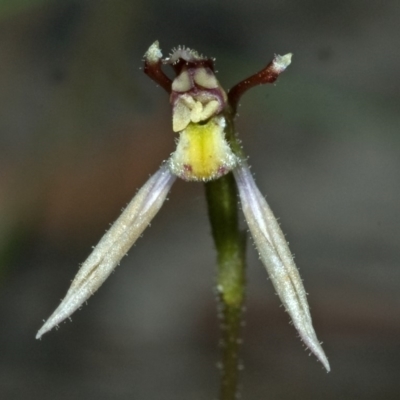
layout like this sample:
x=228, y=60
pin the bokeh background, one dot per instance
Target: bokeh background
x=81, y=128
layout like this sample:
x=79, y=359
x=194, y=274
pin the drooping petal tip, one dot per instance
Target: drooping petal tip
x=277, y=258
x=113, y=245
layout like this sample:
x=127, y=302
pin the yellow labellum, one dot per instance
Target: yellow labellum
x=202, y=152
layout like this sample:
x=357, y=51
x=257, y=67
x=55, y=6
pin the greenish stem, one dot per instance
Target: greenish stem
x=230, y=243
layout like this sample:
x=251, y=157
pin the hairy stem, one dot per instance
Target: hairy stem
x=230, y=243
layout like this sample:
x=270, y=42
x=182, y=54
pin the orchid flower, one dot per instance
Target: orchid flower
x=207, y=149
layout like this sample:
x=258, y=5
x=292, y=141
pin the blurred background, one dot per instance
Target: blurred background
x=82, y=128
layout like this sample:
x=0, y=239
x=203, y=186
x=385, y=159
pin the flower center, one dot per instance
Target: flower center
x=202, y=153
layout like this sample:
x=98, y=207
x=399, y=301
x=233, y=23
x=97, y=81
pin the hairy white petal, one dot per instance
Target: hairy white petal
x=113, y=245
x=277, y=258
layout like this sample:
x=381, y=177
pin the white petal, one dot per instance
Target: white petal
x=277, y=258
x=113, y=245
